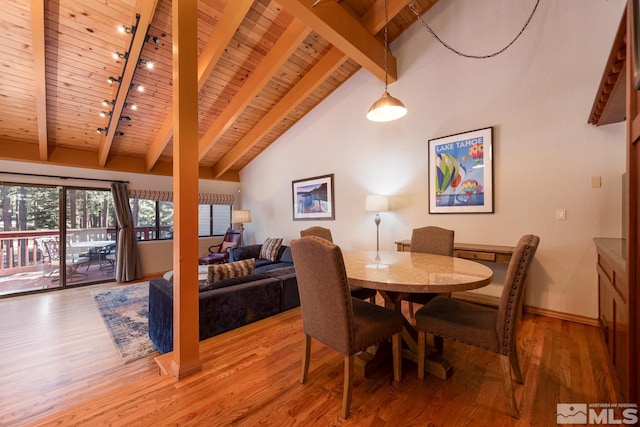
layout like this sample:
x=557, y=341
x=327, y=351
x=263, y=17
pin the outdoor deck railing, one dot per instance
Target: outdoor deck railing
x=22, y=251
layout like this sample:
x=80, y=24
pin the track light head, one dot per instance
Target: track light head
x=126, y=30
x=113, y=80
x=105, y=113
x=146, y=63
x=126, y=118
x=153, y=39
x=101, y=130
x=106, y=102
x=119, y=55
x=118, y=133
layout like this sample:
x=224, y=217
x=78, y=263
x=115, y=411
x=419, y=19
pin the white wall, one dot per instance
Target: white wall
x=537, y=96
x=156, y=256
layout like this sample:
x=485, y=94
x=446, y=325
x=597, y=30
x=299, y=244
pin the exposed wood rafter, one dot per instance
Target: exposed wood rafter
x=314, y=78
x=346, y=33
x=146, y=12
x=224, y=30
x=295, y=33
x=39, y=68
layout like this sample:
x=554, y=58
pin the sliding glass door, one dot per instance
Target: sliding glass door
x=90, y=236
x=53, y=237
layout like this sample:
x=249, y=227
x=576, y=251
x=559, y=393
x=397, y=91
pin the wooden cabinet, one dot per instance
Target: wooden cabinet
x=613, y=292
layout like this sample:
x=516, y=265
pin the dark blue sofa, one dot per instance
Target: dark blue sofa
x=231, y=303
x=284, y=258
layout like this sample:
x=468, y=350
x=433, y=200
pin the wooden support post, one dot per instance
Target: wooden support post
x=186, y=354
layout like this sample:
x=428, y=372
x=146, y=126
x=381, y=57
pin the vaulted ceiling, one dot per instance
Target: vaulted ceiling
x=262, y=66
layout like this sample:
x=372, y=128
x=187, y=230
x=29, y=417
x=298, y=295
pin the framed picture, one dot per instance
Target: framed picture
x=461, y=173
x=313, y=198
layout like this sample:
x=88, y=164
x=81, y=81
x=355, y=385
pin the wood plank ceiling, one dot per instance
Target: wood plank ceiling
x=262, y=66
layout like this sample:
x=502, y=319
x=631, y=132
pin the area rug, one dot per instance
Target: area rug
x=125, y=311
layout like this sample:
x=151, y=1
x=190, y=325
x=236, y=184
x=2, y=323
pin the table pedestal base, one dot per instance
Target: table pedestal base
x=369, y=360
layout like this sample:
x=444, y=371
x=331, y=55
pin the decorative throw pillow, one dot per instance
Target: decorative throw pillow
x=217, y=272
x=270, y=248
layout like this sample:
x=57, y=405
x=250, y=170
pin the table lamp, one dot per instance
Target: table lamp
x=377, y=203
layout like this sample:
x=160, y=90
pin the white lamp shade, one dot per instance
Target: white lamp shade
x=376, y=203
x=240, y=216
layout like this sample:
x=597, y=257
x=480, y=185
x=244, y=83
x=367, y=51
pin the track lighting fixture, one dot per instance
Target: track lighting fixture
x=128, y=30
x=153, y=39
x=139, y=88
x=119, y=55
x=118, y=133
x=126, y=118
x=106, y=102
x=146, y=63
x=113, y=80
x=134, y=107
x=105, y=113
x=100, y=130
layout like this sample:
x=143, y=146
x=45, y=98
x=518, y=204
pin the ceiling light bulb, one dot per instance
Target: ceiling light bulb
x=134, y=107
x=112, y=80
x=106, y=102
x=149, y=65
x=140, y=88
x=105, y=113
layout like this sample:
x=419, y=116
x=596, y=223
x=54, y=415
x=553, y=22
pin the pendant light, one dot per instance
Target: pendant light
x=387, y=108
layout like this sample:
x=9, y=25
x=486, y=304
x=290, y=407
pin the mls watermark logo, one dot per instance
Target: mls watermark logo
x=571, y=413
x=597, y=413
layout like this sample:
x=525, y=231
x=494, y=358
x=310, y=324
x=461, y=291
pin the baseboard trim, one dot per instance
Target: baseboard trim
x=562, y=316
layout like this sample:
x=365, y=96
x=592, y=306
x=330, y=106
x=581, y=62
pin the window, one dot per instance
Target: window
x=154, y=219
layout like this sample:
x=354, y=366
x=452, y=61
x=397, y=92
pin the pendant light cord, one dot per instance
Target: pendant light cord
x=457, y=52
x=386, y=45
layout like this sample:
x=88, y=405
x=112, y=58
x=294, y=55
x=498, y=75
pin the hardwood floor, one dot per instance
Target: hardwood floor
x=58, y=366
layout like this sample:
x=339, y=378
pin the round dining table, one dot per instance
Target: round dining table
x=395, y=275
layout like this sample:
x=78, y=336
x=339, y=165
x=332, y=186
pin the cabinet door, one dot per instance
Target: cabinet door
x=606, y=309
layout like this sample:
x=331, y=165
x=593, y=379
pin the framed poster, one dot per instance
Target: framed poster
x=461, y=173
x=313, y=198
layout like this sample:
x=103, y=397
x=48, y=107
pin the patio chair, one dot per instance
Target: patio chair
x=72, y=261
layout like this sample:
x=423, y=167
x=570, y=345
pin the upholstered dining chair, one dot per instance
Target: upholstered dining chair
x=429, y=240
x=331, y=316
x=325, y=233
x=220, y=252
x=356, y=291
x=486, y=328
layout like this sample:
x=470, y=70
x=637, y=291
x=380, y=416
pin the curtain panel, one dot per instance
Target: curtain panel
x=128, y=263
x=167, y=196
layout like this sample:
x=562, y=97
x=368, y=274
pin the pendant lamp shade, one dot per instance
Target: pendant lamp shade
x=386, y=109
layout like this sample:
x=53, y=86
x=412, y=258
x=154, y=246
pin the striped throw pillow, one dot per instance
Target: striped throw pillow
x=228, y=270
x=270, y=248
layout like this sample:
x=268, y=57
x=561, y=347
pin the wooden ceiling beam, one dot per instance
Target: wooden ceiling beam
x=345, y=32
x=40, y=79
x=25, y=152
x=231, y=18
x=373, y=19
x=292, y=37
x=146, y=11
x=311, y=80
